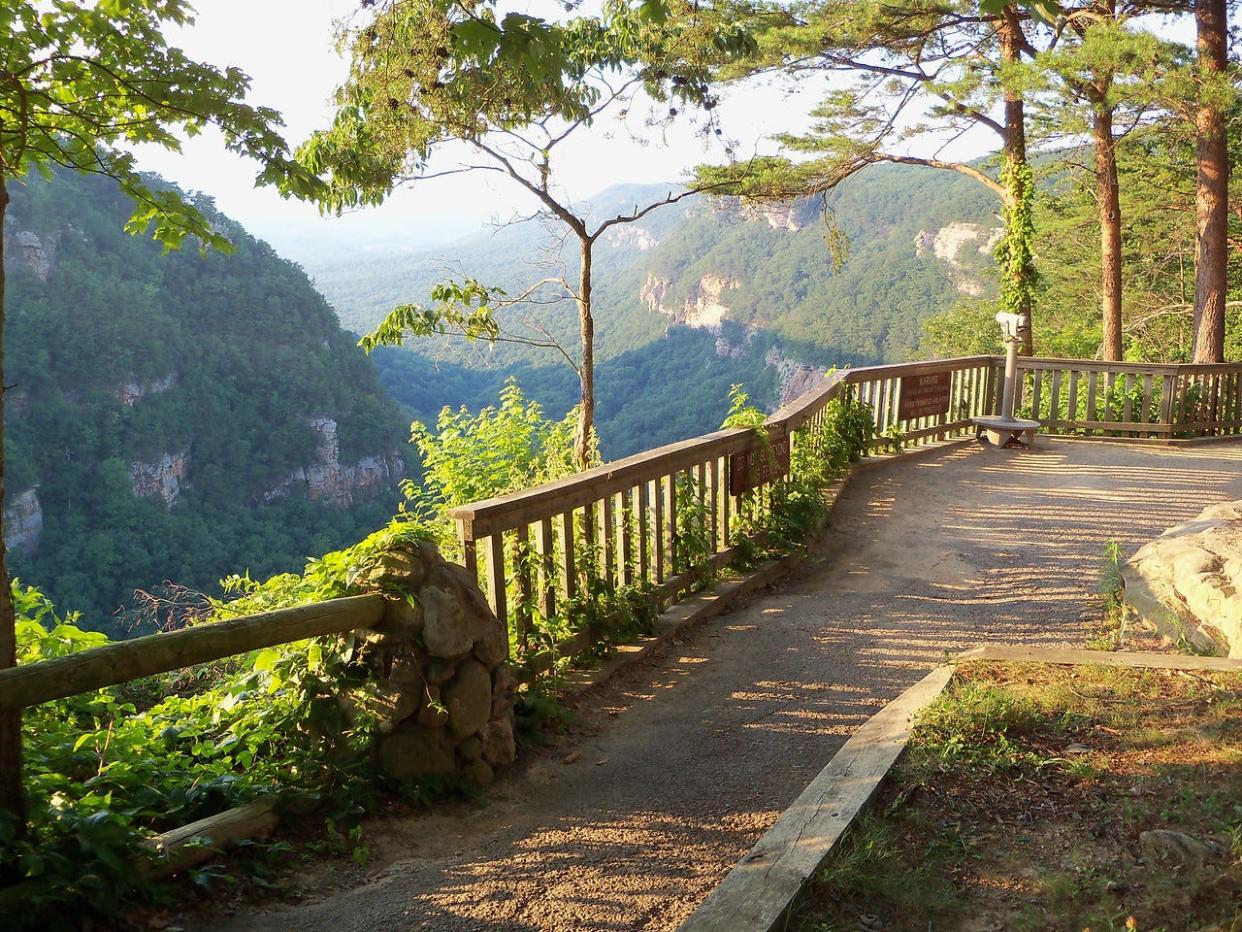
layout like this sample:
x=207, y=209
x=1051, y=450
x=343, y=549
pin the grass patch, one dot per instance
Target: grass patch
x=1023, y=799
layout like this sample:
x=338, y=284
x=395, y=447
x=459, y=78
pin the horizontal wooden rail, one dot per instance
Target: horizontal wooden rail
x=1131, y=400
x=626, y=522
x=636, y=520
x=122, y=661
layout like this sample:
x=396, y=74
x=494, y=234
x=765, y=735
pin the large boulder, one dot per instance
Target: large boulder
x=444, y=632
x=1186, y=582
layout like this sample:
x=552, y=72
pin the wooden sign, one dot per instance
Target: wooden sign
x=758, y=466
x=924, y=395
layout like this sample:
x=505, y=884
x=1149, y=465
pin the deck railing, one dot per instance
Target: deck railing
x=623, y=517
x=527, y=548
x=1113, y=399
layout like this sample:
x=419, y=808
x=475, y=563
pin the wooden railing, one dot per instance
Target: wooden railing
x=622, y=518
x=124, y=661
x=1111, y=399
x=626, y=518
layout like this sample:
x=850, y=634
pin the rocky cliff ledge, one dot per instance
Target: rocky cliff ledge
x=326, y=479
x=704, y=307
x=23, y=520
x=161, y=478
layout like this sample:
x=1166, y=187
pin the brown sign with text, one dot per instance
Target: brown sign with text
x=924, y=395
x=758, y=466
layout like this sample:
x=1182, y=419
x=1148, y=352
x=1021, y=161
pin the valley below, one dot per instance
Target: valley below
x=220, y=419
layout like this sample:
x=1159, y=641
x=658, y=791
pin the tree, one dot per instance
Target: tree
x=77, y=84
x=918, y=69
x=433, y=75
x=1108, y=74
x=1212, y=188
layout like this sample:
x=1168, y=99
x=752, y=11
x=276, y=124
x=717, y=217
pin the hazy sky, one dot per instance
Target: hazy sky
x=286, y=48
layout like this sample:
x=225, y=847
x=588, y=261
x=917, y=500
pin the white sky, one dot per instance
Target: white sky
x=286, y=48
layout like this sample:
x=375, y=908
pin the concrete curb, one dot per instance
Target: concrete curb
x=758, y=894
x=1014, y=653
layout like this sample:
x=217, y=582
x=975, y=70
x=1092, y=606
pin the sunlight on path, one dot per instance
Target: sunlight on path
x=687, y=759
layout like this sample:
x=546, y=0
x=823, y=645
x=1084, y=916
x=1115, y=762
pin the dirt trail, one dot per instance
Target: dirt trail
x=686, y=759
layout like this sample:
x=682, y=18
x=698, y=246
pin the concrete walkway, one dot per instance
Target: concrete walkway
x=684, y=761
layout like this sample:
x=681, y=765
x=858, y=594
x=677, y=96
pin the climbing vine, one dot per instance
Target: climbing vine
x=1015, y=256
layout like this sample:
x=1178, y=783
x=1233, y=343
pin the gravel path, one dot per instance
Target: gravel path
x=686, y=759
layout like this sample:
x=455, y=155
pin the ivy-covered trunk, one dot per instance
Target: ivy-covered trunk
x=1212, y=188
x=1108, y=198
x=1017, y=282
x=586, y=369
x=11, y=797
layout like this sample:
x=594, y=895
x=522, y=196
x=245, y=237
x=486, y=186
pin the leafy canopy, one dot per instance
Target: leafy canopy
x=426, y=72
x=82, y=83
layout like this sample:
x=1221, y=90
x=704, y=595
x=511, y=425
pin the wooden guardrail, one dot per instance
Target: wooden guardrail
x=1116, y=399
x=623, y=516
x=123, y=661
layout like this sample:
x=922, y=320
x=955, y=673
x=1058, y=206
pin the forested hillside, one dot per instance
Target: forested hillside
x=694, y=297
x=179, y=416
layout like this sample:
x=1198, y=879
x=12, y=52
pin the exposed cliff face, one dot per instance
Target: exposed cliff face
x=23, y=520
x=160, y=478
x=703, y=308
x=130, y=393
x=32, y=250
x=790, y=216
x=629, y=236
x=795, y=378
x=328, y=481
x=954, y=244
x=729, y=349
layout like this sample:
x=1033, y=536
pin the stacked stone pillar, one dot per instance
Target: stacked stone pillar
x=442, y=691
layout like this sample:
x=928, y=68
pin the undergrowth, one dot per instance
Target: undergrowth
x=102, y=773
x=106, y=770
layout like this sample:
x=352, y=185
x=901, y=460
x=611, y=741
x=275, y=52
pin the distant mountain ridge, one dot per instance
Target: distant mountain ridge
x=757, y=286
x=176, y=416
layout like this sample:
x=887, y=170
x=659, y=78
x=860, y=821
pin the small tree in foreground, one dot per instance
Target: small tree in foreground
x=509, y=91
x=78, y=85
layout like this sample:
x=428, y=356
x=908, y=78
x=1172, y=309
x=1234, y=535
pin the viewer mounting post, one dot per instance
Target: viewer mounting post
x=1005, y=430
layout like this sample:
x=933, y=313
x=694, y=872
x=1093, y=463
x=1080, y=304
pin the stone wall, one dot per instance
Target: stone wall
x=442, y=689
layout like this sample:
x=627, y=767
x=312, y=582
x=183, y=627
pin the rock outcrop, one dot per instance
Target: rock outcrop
x=795, y=378
x=790, y=216
x=951, y=244
x=441, y=695
x=1186, y=582
x=161, y=478
x=130, y=393
x=326, y=479
x=629, y=236
x=728, y=349
x=704, y=307
x=23, y=520
x=32, y=250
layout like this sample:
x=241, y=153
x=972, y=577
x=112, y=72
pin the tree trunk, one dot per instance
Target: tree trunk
x=1109, y=200
x=11, y=797
x=586, y=370
x=1212, y=189
x=1015, y=144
